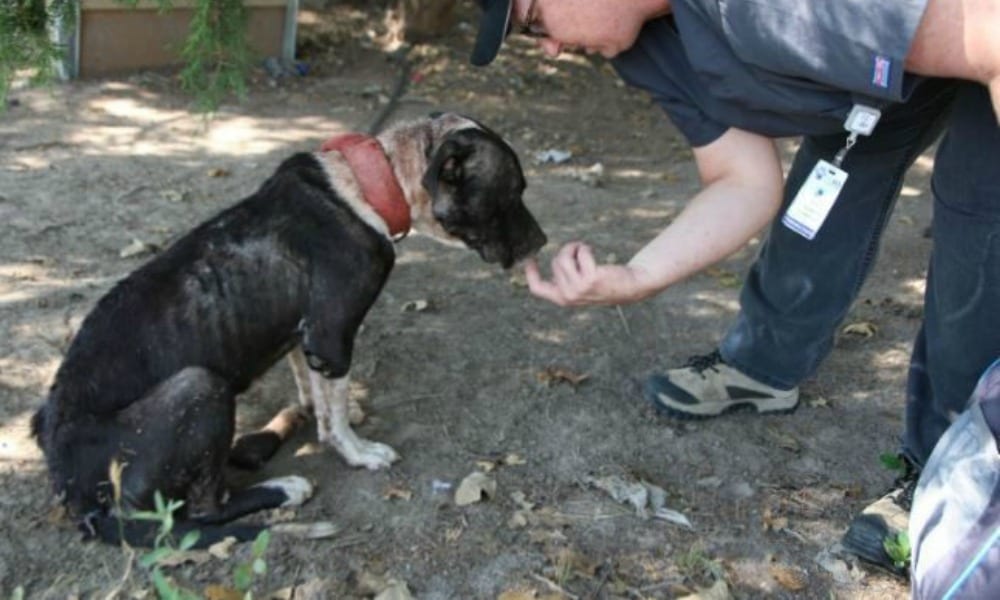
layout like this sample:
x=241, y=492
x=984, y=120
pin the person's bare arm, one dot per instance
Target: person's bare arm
x=961, y=39
x=742, y=179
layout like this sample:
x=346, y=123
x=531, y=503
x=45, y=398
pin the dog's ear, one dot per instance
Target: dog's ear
x=447, y=166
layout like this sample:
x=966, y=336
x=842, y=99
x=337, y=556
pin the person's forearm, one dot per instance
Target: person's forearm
x=717, y=222
x=742, y=195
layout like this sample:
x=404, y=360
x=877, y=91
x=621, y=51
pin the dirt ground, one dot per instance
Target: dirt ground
x=96, y=174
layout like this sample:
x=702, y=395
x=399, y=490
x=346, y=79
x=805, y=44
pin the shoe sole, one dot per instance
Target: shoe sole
x=755, y=405
x=865, y=538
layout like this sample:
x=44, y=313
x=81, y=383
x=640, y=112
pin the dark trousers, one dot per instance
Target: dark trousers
x=799, y=291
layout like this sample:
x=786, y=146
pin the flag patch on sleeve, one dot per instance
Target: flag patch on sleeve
x=881, y=68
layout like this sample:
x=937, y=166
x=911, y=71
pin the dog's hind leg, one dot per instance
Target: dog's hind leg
x=176, y=440
x=252, y=450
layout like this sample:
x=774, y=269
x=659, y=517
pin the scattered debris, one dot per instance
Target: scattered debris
x=726, y=278
x=218, y=172
x=395, y=590
x=173, y=195
x=439, y=486
x=416, y=306
x=476, y=487
x=137, y=248
x=309, y=531
x=841, y=571
x=592, y=176
x=553, y=375
x=648, y=500
x=790, y=578
x=554, y=156
x=397, y=493
x=718, y=591
x=222, y=549
x=865, y=329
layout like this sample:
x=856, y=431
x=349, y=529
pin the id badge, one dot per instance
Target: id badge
x=814, y=199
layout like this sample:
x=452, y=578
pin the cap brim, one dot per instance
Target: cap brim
x=493, y=27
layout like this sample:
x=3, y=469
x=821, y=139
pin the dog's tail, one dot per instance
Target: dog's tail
x=113, y=530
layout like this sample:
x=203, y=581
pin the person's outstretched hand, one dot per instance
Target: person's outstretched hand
x=577, y=279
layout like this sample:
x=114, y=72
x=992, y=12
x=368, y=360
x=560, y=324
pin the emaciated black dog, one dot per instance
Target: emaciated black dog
x=150, y=380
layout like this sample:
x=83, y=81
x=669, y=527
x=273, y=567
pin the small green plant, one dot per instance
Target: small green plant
x=163, y=546
x=696, y=565
x=898, y=548
x=244, y=574
x=892, y=461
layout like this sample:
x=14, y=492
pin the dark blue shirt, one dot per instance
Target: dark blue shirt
x=780, y=68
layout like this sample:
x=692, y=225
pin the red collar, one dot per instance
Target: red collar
x=378, y=183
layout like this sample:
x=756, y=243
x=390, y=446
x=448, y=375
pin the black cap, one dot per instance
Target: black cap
x=494, y=26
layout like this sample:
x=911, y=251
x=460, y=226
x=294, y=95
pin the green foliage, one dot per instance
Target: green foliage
x=163, y=547
x=893, y=462
x=898, y=548
x=216, y=55
x=244, y=574
x=24, y=40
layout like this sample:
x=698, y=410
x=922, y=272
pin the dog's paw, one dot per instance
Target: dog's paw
x=296, y=489
x=371, y=455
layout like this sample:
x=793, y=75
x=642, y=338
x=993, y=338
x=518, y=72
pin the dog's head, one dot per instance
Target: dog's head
x=476, y=184
x=470, y=188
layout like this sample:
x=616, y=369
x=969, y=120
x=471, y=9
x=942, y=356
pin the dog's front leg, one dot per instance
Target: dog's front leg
x=330, y=403
x=300, y=370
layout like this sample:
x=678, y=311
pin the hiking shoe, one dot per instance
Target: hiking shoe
x=884, y=520
x=707, y=387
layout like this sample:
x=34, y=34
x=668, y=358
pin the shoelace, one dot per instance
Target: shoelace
x=704, y=362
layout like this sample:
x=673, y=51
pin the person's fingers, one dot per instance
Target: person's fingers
x=564, y=267
x=538, y=286
x=585, y=261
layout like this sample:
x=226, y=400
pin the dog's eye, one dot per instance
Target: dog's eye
x=451, y=171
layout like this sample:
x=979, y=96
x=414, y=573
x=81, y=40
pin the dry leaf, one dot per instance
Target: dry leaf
x=518, y=520
x=772, y=522
x=474, y=488
x=221, y=592
x=784, y=441
x=864, y=329
x=521, y=500
x=218, y=172
x=819, y=402
x=518, y=594
x=726, y=279
x=416, y=306
x=553, y=375
x=513, y=460
x=452, y=534
x=486, y=465
x=790, y=578
x=135, y=248
x=718, y=591
x=396, y=492
x=222, y=549
x=115, y=476
x=172, y=195
x=396, y=590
